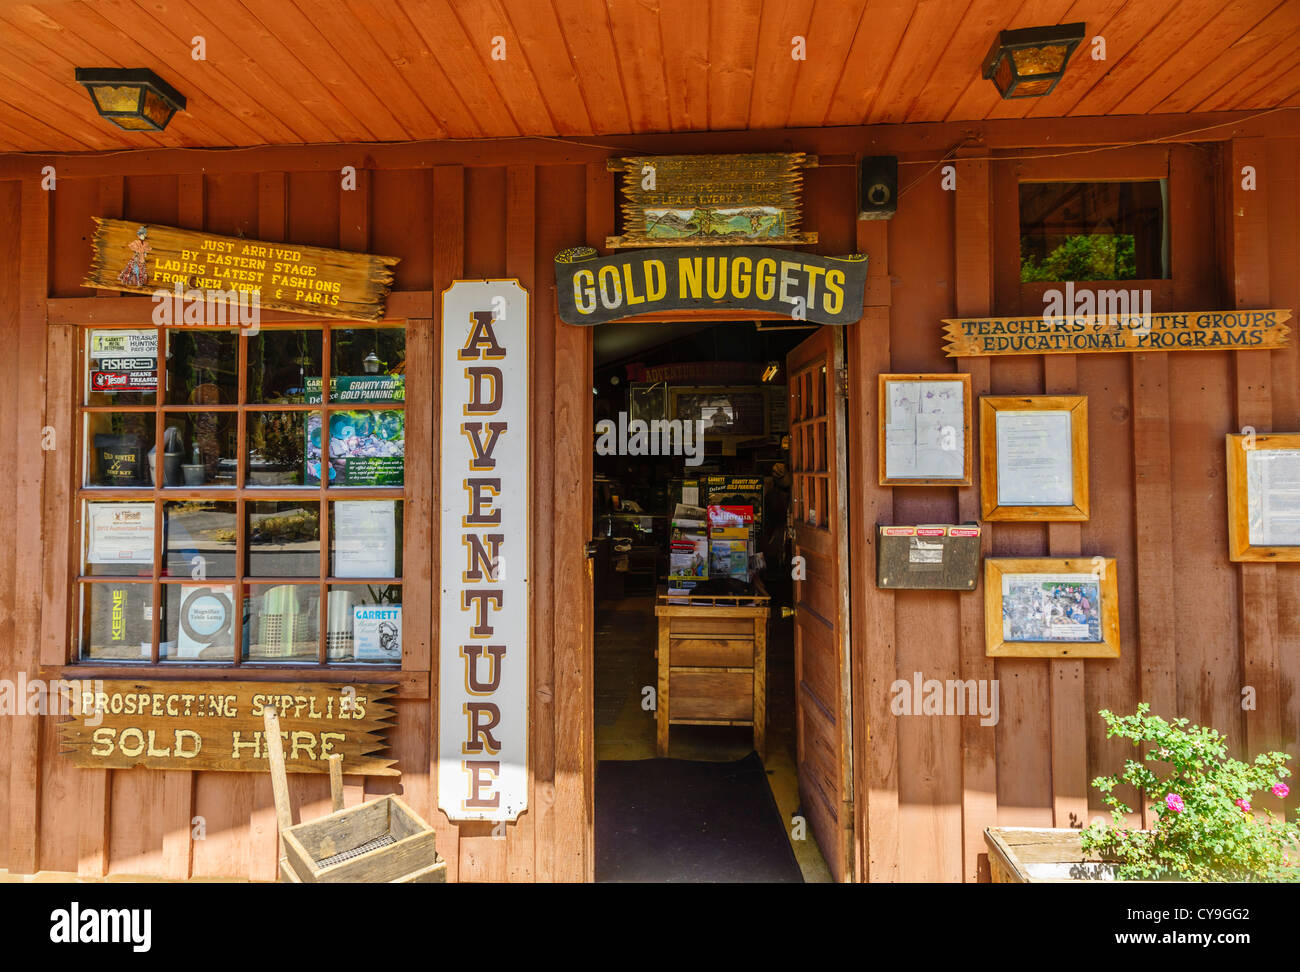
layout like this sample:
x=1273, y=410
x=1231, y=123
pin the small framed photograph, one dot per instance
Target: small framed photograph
x=1264, y=497
x=925, y=430
x=1051, y=607
x=1034, y=457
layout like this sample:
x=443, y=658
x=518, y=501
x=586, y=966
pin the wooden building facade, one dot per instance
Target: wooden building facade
x=916, y=793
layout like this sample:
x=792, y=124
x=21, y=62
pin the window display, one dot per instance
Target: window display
x=181, y=564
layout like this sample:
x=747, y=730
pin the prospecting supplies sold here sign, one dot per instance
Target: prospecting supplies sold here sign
x=802, y=286
x=483, y=629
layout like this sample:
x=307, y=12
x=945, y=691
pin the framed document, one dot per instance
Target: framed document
x=925, y=431
x=1034, y=457
x=119, y=533
x=1264, y=497
x=365, y=538
x=1047, y=607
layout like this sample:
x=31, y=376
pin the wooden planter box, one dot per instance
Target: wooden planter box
x=380, y=841
x=1042, y=855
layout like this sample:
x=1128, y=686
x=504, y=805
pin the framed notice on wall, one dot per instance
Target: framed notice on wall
x=925, y=432
x=1264, y=497
x=1044, y=607
x=1034, y=457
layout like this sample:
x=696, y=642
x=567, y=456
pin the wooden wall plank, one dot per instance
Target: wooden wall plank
x=875, y=667
x=448, y=265
x=1249, y=276
x=11, y=321
x=1069, y=741
x=974, y=297
x=264, y=840
x=25, y=771
x=521, y=261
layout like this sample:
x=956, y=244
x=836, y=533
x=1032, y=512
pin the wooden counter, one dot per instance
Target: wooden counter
x=712, y=663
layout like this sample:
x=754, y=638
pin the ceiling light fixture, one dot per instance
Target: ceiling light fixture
x=134, y=99
x=1028, y=63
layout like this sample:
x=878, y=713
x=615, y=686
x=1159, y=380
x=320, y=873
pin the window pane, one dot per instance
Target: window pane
x=118, y=445
x=366, y=448
x=115, y=621
x=122, y=366
x=366, y=538
x=276, y=448
x=200, y=536
x=199, y=449
x=202, y=367
x=366, y=365
x=1093, y=231
x=118, y=539
x=279, y=363
x=284, y=622
x=199, y=623
x=284, y=539
x=364, y=624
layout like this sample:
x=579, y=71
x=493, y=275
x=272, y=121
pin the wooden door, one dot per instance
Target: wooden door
x=823, y=723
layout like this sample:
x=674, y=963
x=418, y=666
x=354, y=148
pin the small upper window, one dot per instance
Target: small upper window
x=1094, y=230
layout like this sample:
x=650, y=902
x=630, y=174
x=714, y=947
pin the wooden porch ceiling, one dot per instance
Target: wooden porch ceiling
x=290, y=72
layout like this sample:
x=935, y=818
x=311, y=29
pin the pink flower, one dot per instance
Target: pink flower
x=1174, y=802
x=1244, y=804
x=1281, y=789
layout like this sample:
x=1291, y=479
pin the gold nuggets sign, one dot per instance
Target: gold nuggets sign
x=144, y=258
x=218, y=726
x=701, y=200
x=801, y=286
x=1186, y=331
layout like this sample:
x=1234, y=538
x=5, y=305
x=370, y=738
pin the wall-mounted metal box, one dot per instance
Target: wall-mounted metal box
x=931, y=556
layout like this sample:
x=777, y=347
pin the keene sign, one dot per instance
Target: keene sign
x=802, y=286
x=1184, y=331
x=484, y=610
x=219, y=726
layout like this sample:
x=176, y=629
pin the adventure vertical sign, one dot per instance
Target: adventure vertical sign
x=483, y=619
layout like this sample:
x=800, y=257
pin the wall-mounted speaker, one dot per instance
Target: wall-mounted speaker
x=878, y=187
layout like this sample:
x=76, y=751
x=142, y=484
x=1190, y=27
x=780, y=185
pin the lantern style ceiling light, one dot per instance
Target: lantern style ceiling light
x=1028, y=63
x=135, y=99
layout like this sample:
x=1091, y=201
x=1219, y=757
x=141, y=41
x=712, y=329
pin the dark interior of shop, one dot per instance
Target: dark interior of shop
x=711, y=797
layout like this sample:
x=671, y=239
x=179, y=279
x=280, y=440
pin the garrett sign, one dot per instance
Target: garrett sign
x=219, y=726
x=802, y=286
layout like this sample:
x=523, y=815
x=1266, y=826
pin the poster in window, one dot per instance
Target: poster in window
x=377, y=632
x=367, y=447
x=123, y=360
x=365, y=538
x=120, y=533
x=206, y=622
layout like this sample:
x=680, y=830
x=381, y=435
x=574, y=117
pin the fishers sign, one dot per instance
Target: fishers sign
x=484, y=610
x=145, y=258
x=1183, y=331
x=802, y=286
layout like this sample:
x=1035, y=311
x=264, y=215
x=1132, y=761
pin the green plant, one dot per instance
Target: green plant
x=1206, y=828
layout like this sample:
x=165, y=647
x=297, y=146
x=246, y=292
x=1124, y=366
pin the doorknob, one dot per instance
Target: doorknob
x=592, y=547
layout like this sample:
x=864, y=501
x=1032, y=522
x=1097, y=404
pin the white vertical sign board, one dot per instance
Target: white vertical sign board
x=483, y=610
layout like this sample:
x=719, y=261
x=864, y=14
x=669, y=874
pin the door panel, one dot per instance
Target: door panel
x=821, y=624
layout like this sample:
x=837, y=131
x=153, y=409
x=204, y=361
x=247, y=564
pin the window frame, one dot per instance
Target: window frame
x=241, y=494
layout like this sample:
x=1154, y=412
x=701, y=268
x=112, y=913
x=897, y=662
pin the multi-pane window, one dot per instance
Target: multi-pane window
x=241, y=489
